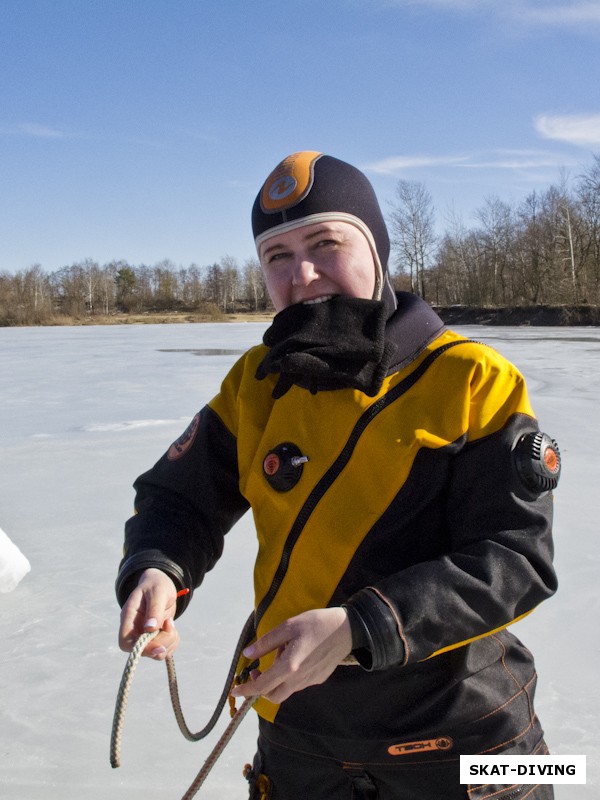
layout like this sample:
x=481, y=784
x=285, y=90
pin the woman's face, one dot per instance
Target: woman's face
x=313, y=262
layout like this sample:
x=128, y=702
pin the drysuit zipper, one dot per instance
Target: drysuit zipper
x=336, y=468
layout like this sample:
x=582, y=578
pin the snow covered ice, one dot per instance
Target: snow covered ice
x=82, y=412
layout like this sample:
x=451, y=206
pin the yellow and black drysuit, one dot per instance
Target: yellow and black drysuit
x=408, y=507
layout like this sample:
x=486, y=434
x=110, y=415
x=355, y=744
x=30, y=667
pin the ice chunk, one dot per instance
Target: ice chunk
x=13, y=564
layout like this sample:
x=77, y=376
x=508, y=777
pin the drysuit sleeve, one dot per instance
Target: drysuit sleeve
x=496, y=565
x=184, y=507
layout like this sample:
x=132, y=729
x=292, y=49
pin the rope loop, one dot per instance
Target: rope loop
x=237, y=715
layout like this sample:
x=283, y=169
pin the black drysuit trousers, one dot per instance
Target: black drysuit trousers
x=285, y=768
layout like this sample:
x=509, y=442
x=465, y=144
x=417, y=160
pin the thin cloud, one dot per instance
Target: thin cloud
x=446, y=5
x=395, y=164
x=33, y=130
x=495, y=159
x=559, y=14
x=578, y=129
x=531, y=13
x=38, y=131
x=520, y=160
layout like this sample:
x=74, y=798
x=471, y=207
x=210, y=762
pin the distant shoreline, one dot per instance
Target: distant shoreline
x=541, y=316
x=145, y=318
x=535, y=316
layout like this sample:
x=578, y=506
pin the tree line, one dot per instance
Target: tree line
x=87, y=289
x=545, y=250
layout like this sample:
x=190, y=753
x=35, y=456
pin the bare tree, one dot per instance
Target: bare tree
x=532, y=249
x=26, y=297
x=255, y=288
x=497, y=246
x=164, y=277
x=231, y=283
x=413, y=234
x=588, y=196
x=191, y=288
x=71, y=290
x=454, y=275
x=214, y=285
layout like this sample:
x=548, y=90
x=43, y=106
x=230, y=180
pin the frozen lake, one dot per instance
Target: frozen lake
x=82, y=412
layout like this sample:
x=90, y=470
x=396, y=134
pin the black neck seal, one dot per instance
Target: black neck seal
x=336, y=344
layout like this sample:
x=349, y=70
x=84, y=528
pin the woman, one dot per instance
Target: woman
x=401, y=494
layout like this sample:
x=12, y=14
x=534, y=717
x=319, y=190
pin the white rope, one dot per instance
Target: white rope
x=123, y=696
x=219, y=747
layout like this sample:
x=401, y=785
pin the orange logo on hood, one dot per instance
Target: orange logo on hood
x=290, y=182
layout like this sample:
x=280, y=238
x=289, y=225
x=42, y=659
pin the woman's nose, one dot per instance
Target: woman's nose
x=305, y=272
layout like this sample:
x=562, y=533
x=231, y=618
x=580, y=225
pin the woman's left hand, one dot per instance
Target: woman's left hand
x=309, y=648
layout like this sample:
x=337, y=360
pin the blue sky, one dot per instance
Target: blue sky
x=142, y=129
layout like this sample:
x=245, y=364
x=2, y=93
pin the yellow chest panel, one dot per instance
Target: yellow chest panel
x=360, y=453
x=351, y=476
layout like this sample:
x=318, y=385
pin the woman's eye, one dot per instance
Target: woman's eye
x=276, y=257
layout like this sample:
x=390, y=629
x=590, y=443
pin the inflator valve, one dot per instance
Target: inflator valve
x=283, y=465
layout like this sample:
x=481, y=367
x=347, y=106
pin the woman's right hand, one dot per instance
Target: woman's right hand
x=151, y=606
